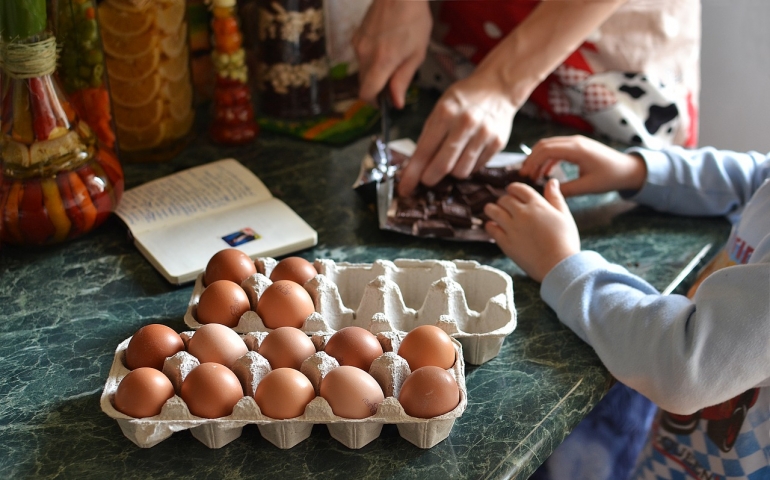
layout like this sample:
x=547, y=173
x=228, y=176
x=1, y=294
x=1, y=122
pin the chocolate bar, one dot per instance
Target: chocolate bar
x=454, y=208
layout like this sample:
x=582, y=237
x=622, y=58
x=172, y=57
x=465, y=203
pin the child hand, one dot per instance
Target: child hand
x=536, y=232
x=601, y=168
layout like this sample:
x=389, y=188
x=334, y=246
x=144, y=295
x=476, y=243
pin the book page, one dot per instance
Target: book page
x=268, y=228
x=189, y=195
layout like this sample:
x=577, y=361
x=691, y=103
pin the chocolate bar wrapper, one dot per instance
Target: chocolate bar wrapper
x=453, y=209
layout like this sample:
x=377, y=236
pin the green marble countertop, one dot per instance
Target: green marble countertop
x=64, y=310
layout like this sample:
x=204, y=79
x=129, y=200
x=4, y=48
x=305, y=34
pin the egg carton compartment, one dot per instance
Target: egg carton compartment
x=389, y=370
x=472, y=302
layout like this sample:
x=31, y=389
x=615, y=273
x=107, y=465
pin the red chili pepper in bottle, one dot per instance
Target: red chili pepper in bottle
x=34, y=223
x=12, y=230
x=83, y=199
x=99, y=192
x=71, y=205
x=43, y=120
x=114, y=171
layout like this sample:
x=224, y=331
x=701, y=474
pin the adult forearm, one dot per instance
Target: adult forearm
x=554, y=30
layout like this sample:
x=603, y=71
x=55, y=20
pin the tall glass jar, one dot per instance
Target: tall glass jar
x=148, y=66
x=233, y=122
x=57, y=183
x=81, y=65
x=293, y=67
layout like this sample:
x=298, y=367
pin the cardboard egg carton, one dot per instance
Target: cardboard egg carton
x=390, y=371
x=473, y=303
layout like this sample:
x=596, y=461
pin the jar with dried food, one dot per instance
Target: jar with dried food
x=293, y=67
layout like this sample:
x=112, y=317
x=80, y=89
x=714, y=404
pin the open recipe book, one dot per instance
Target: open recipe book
x=180, y=221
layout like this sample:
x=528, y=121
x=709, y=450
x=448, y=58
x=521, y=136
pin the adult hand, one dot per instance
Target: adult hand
x=390, y=45
x=536, y=232
x=601, y=168
x=470, y=123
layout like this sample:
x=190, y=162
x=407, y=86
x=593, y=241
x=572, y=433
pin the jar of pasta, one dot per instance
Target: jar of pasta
x=293, y=67
x=148, y=65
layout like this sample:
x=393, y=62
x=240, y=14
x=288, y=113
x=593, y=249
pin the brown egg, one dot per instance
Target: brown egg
x=217, y=343
x=143, y=392
x=429, y=392
x=211, y=390
x=284, y=304
x=286, y=347
x=351, y=392
x=222, y=302
x=150, y=346
x=427, y=345
x=229, y=264
x=284, y=393
x=354, y=346
x=296, y=269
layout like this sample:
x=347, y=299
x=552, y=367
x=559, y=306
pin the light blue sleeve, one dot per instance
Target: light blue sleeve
x=702, y=182
x=683, y=355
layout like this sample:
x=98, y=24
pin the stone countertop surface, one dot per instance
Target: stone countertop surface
x=65, y=308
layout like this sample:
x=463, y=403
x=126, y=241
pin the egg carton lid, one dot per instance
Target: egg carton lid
x=471, y=302
x=389, y=370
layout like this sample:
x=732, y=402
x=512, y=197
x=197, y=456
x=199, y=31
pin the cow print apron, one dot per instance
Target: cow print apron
x=635, y=80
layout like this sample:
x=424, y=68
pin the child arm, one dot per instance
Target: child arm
x=705, y=181
x=684, y=355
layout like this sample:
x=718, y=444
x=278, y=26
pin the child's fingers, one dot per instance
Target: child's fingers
x=545, y=154
x=553, y=194
x=495, y=231
x=521, y=192
x=498, y=213
x=545, y=169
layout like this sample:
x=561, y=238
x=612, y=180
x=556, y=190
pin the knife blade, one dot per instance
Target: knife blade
x=384, y=102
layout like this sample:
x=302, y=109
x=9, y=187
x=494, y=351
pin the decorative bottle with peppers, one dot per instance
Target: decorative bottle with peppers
x=57, y=183
x=293, y=68
x=81, y=65
x=233, y=111
x=147, y=56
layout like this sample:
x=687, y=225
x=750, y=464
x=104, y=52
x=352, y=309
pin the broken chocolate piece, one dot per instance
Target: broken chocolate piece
x=481, y=197
x=435, y=228
x=466, y=187
x=457, y=214
x=431, y=211
x=496, y=177
x=444, y=187
x=409, y=216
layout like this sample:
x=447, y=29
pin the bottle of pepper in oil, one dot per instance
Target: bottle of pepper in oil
x=57, y=182
x=148, y=65
x=233, y=122
x=81, y=65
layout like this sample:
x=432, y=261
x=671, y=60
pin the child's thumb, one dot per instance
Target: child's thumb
x=553, y=194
